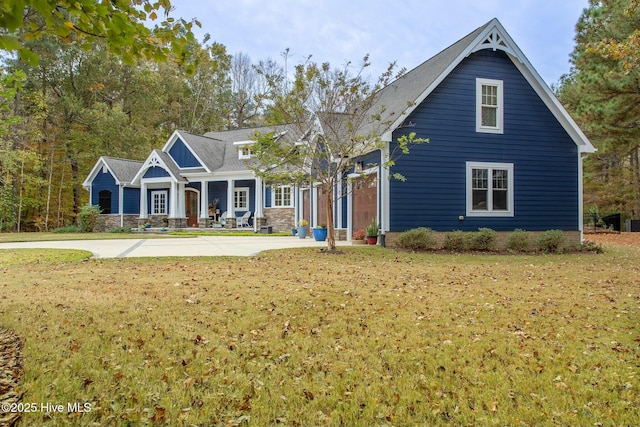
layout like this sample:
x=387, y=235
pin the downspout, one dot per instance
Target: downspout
x=581, y=157
x=385, y=209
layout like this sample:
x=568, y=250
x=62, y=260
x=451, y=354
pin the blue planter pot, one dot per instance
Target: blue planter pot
x=302, y=232
x=320, y=234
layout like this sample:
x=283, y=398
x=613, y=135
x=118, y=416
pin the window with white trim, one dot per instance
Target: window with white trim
x=281, y=197
x=241, y=198
x=489, y=106
x=245, y=152
x=489, y=189
x=159, y=202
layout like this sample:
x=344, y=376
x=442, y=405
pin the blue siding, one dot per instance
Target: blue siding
x=131, y=201
x=218, y=190
x=544, y=156
x=156, y=172
x=267, y=197
x=105, y=181
x=182, y=156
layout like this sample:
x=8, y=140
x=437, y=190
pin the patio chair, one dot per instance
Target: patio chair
x=223, y=218
x=243, y=221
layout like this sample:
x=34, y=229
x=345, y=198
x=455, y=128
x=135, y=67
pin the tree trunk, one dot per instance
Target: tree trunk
x=635, y=173
x=331, y=232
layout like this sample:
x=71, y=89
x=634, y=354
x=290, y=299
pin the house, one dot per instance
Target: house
x=503, y=154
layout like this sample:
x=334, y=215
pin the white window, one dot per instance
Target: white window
x=241, y=198
x=244, y=152
x=281, y=197
x=159, y=202
x=489, y=106
x=489, y=189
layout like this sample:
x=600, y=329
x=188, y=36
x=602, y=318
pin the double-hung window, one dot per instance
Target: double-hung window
x=159, y=202
x=281, y=197
x=489, y=106
x=489, y=189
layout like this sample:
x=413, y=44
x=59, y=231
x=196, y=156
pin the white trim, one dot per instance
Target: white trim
x=385, y=190
x=510, y=212
x=527, y=70
x=499, y=127
x=172, y=140
x=159, y=193
x=244, y=190
x=154, y=160
x=274, y=188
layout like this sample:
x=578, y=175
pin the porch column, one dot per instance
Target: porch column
x=173, y=200
x=204, y=199
x=182, y=211
x=121, y=203
x=259, y=202
x=231, y=213
x=338, y=202
x=143, y=201
x=349, y=210
x=314, y=206
x=383, y=188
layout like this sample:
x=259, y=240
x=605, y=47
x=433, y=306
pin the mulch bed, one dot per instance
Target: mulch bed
x=10, y=369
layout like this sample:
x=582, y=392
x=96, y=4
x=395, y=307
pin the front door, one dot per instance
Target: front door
x=191, y=204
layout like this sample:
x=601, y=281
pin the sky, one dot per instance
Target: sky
x=405, y=31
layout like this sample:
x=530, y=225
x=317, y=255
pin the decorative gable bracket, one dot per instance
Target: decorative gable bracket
x=494, y=40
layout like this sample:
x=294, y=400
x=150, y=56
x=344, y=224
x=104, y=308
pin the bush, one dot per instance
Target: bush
x=418, y=238
x=551, y=241
x=359, y=234
x=123, y=230
x=88, y=217
x=482, y=240
x=456, y=241
x=67, y=229
x=519, y=241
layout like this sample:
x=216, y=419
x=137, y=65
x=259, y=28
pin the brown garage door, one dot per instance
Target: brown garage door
x=365, y=201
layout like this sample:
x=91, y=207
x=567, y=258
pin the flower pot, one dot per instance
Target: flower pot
x=320, y=234
x=372, y=240
x=302, y=232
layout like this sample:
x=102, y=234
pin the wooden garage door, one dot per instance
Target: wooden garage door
x=365, y=201
x=322, y=207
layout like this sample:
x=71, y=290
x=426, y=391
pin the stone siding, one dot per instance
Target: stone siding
x=280, y=219
x=108, y=222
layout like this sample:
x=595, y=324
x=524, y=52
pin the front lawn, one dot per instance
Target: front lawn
x=298, y=337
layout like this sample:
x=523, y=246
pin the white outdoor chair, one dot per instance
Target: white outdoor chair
x=243, y=221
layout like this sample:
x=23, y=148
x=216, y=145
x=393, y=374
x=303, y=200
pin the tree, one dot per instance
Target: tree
x=332, y=118
x=122, y=24
x=602, y=93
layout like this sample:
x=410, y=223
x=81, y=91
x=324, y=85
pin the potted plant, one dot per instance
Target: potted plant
x=320, y=233
x=302, y=228
x=372, y=232
x=359, y=237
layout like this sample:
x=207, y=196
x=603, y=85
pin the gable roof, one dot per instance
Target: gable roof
x=122, y=170
x=159, y=158
x=208, y=151
x=402, y=96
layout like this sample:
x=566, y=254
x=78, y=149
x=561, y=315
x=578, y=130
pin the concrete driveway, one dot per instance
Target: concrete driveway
x=197, y=246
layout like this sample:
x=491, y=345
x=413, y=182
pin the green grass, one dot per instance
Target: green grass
x=297, y=337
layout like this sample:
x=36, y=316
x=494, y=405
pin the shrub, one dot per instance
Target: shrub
x=551, y=241
x=67, y=229
x=456, y=241
x=418, y=238
x=482, y=240
x=123, y=230
x=359, y=234
x=519, y=241
x=88, y=217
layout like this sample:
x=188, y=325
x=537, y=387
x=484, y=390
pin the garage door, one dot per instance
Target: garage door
x=365, y=201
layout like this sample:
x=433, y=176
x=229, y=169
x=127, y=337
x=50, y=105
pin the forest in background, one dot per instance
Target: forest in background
x=83, y=99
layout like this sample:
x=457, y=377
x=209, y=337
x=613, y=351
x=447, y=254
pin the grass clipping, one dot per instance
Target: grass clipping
x=371, y=337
